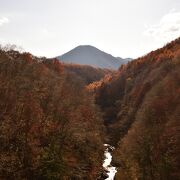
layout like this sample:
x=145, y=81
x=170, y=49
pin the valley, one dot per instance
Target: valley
x=141, y=113
x=90, y=90
x=62, y=121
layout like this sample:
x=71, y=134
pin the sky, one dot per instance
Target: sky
x=124, y=28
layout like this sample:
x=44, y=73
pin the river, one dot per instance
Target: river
x=111, y=170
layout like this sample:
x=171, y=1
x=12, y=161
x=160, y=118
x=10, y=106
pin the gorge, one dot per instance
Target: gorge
x=56, y=117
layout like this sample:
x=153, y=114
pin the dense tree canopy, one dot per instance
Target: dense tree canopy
x=141, y=105
x=49, y=125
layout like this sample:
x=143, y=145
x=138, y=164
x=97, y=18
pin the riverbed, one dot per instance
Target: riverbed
x=111, y=170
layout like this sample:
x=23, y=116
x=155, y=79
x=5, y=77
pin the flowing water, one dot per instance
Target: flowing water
x=111, y=170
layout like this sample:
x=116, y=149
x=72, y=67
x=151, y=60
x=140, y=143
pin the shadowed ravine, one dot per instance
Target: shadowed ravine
x=111, y=170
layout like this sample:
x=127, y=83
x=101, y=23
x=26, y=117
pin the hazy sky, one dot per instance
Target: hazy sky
x=126, y=28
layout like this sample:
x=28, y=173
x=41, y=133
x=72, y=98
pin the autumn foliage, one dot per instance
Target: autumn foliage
x=141, y=105
x=49, y=125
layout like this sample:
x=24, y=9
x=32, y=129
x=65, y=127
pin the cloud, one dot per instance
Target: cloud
x=167, y=29
x=3, y=20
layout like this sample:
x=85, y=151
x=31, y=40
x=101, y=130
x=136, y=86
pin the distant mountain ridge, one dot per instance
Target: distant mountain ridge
x=89, y=55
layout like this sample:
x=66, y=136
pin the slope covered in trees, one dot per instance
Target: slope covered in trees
x=49, y=125
x=87, y=73
x=141, y=105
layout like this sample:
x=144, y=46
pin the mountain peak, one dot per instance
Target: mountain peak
x=86, y=46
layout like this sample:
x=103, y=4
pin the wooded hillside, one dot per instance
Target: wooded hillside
x=49, y=125
x=141, y=105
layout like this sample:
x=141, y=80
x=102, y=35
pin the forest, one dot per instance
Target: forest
x=50, y=127
x=141, y=110
x=55, y=117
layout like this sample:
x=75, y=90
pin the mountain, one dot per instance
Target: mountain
x=89, y=55
x=124, y=61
